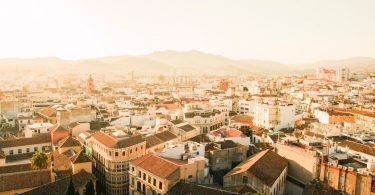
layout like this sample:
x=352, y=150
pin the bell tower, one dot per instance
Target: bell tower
x=90, y=84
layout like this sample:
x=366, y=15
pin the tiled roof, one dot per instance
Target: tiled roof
x=113, y=142
x=265, y=165
x=60, y=186
x=187, y=128
x=80, y=158
x=182, y=188
x=15, y=168
x=58, y=127
x=22, y=178
x=48, y=112
x=68, y=142
x=166, y=136
x=202, y=138
x=156, y=165
x=358, y=147
x=38, y=139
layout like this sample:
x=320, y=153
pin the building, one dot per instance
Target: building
x=153, y=174
x=342, y=74
x=111, y=155
x=274, y=116
x=206, y=120
x=37, y=128
x=225, y=155
x=265, y=172
x=333, y=117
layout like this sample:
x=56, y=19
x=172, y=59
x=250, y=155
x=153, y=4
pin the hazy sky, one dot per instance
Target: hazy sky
x=292, y=31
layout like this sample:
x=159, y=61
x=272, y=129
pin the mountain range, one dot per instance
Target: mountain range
x=180, y=62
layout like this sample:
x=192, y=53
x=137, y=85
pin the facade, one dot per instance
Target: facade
x=111, y=156
x=265, y=172
x=153, y=175
x=274, y=116
x=206, y=120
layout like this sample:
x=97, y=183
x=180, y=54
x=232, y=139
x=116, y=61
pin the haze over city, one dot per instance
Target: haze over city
x=187, y=97
x=290, y=31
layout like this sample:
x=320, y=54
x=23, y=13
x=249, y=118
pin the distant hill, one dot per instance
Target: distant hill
x=179, y=62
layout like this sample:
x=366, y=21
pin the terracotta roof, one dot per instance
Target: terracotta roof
x=202, y=138
x=15, y=168
x=23, y=178
x=182, y=188
x=265, y=165
x=38, y=139
x=59, y=187
x=80, y=158
x=47, y=112
x=156, y=165
x=113, y=142
x=68, y=142
x=166, y=136
x=358, y=147
x=63, y=159
x=58, y=127
x=187, y=128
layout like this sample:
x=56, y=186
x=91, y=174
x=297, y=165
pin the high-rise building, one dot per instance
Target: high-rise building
x=342, y=74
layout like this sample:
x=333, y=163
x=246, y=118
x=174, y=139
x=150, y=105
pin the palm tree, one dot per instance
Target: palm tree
x=39, y=161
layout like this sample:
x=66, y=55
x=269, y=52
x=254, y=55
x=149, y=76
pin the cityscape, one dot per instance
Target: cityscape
x=187, y=97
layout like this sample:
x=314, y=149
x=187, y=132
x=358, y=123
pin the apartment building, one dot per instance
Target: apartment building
x=274, y=116
x=206, y=120
x=153, y=174
x=111, y=155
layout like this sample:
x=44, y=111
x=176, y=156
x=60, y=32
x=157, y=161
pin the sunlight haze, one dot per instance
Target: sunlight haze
x=289, y=31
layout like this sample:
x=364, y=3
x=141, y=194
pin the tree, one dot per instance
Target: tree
x=70, y=190
x=39, y=160
x=89, y=188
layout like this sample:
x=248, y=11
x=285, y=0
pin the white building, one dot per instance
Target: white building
x=274, y=116
x=37, y=128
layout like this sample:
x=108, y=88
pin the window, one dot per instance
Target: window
x=27, y=149
x=149, y=179
x=130, y=151
x=19, y=151
x=154, y=182
x=116, y=153
x=35, y=149
x=132, y=169
x=160, y=185
x=11, y=152
x=139, y=174
x=190, y=176
x=144, y=176
x=244, y=179
x=123, y=153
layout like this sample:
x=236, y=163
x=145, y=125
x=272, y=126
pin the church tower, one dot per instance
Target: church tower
x=90, y=85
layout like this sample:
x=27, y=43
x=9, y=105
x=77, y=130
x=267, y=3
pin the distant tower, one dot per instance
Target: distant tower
x=90, y=85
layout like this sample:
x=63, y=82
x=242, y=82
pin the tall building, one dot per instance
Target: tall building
x=90, y=84
x=111, y=155
x=342, y=74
